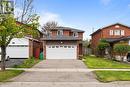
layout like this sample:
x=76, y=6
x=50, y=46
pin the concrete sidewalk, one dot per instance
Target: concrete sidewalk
x=65, y=84
x=66, y=70
x=60, y=73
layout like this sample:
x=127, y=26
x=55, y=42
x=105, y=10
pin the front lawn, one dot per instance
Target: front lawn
x=109, y=76
x=8, y=74
x=28, y=63
x=96, y=63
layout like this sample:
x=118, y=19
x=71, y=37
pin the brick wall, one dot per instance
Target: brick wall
x=66, y=32
x=105, y=33
x=80, y=35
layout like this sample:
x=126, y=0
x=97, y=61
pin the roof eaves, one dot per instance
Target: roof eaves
x=95, y=32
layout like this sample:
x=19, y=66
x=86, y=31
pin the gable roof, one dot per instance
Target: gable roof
x=110, y=26
x=67, y=28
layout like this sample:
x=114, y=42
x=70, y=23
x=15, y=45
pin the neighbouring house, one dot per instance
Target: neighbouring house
x=114, y=34
x=63, y=43
x=22, y=48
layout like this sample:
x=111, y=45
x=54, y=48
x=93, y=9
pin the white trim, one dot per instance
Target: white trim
x=59, y=32
x=122, y=32
x=111, y=32
x=75, y=34
x=61, y=51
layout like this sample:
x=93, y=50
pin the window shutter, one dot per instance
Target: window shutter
x=111, y=32
x=122, y=32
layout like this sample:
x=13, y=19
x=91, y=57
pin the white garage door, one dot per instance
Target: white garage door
x=18, y=51
x=61, y=52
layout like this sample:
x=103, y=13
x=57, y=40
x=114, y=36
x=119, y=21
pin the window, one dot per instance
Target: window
x=72, y=46
x=57, y=46
x=17, y=45
x=122, y=32
x=69, y=46
x=75, y=34
x=111, y=32
x=49, y=46
x=13, y=42
x=53, y=46
x=61, y=46
x=117, y=32
x=49, y=33
x=65, y=46
x=60, y=32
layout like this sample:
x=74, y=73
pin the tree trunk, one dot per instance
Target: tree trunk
x=3, y=56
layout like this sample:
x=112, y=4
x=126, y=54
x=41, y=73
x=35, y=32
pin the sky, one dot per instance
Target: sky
x=87, y=15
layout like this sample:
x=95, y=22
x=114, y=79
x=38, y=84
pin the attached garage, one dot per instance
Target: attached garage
x=61, y=51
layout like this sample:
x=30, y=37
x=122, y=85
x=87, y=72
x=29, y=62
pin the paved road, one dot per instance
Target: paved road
x=59, y=73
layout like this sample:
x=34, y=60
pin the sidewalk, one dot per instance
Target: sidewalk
x=60, y=73
x=66, y=70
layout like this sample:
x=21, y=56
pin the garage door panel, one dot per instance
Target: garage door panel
x=61, y=52
x=18, y=52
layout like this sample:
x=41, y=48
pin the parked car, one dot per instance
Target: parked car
x=7, y=57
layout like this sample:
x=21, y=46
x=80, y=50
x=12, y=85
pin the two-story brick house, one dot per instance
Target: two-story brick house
x=112, y=33
x=63, y=43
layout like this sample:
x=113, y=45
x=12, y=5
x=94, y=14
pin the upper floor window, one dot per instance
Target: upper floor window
x=60, y=32
x=117, y=32
x=75, y=34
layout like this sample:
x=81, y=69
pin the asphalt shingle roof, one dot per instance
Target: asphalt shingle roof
x=61, y=38
x=67, y=28
x=112, y=40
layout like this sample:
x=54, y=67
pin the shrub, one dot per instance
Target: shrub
x=121, y=50
x=103, y=44
x=28, y=63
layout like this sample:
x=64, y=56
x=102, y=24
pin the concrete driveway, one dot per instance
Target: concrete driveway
x=60, y=64
x=53, y=78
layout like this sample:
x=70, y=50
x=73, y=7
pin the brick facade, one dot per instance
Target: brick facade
x=66, y=33
x=105, y=33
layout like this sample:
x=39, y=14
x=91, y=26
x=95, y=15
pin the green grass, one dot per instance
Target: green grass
x=28, y=63
x=95, y=62
x=8, y=74
x=109, y=76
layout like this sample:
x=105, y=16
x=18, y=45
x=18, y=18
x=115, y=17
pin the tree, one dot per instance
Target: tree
x=86, y=43
x=49, y=25
x=121, y=50
x=10, y=28
x=103, y=44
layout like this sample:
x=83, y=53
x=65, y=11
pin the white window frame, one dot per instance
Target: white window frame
x=111, y=32
x=59, y=32
x=122, y=32
x=75, y=34
x=117, y=32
